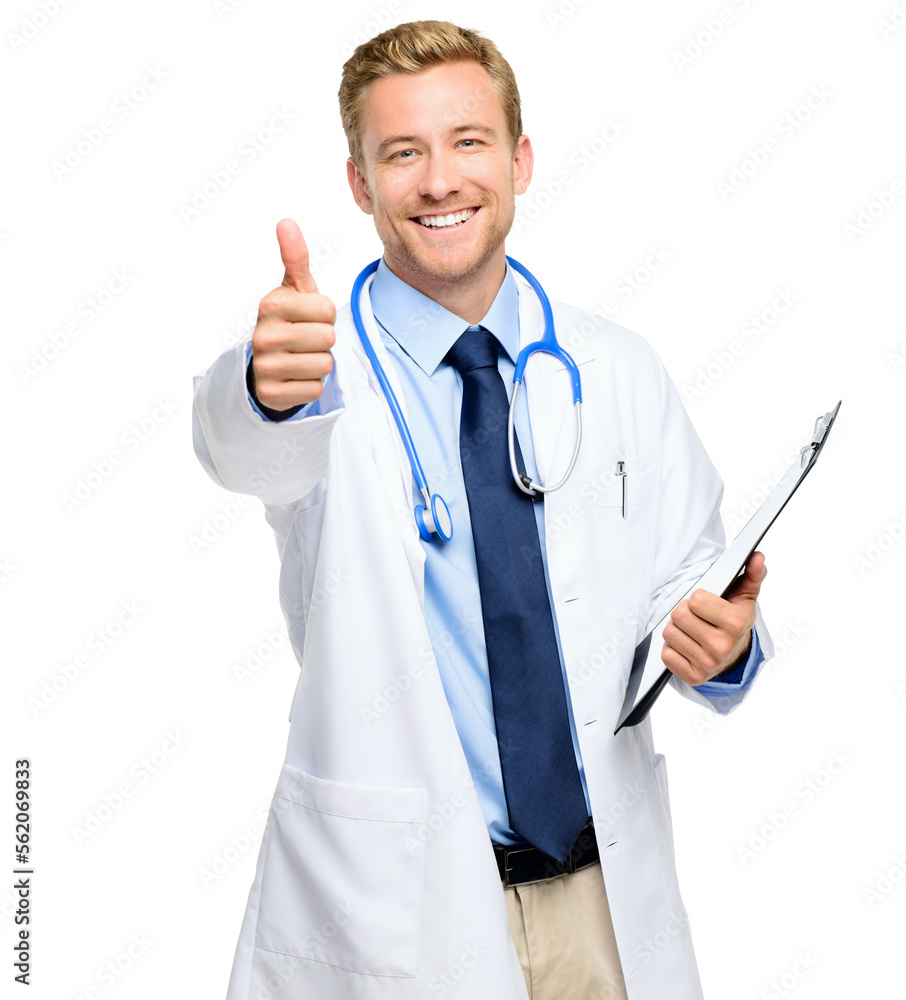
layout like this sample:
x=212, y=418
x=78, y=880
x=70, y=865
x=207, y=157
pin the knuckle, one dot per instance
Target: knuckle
x=264, y=370
x=262, y=342
x=267, y=396
x=327, y=311
x=271, y=304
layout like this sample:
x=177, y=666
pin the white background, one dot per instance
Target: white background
x=130, y=610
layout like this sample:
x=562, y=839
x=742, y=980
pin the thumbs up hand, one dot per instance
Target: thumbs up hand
x=294, y=332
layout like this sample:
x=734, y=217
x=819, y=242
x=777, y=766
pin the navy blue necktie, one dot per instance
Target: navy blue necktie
x=544, y=796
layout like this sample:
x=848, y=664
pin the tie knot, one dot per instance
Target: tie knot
x=476, y=348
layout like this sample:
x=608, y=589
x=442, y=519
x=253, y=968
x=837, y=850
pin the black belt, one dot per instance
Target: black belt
x=518, y=865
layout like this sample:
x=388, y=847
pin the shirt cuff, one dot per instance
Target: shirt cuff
x=265, y=412
x=741, y=677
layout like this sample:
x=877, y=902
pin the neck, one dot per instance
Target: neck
x=468, y=297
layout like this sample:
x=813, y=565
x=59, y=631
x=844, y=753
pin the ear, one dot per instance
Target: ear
x=358, y=186
x=523, y=161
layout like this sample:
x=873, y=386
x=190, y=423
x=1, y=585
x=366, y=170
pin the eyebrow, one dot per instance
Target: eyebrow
x=393, y=140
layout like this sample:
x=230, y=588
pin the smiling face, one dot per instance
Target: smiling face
x=439, y=175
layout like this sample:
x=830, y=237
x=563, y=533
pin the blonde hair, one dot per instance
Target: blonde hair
x=412, y=48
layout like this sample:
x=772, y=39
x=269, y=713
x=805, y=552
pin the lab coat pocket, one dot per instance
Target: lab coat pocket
x=342, y=877
x=626, y=542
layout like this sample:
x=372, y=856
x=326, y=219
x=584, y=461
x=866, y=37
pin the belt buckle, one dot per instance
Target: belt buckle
x=568, y=867
x=507, y=851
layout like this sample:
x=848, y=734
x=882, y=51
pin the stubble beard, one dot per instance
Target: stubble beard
x=452, y=268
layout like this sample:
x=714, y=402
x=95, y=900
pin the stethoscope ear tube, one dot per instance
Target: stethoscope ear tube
x=524, y=482
x=433, y=517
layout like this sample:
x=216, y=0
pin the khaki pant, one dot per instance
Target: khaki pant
x=564, y=937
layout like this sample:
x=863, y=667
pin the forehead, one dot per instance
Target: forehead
x=430, y=104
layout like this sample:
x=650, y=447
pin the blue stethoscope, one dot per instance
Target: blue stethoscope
x=434, y=515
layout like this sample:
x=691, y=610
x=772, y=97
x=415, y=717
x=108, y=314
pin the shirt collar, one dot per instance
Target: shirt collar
x=425, y=330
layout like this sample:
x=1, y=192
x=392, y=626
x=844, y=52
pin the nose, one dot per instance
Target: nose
x=440, y=176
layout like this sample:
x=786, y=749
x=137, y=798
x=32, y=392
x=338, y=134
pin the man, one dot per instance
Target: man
x=460, y=694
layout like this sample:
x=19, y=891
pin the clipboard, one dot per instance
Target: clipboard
x=648, y=675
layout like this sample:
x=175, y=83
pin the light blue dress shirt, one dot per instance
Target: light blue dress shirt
x=418, y=332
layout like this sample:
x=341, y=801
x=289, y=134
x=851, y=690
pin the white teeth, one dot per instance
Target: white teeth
x=439, y=221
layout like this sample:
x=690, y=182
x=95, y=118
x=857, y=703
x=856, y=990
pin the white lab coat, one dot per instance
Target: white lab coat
x=376, y=877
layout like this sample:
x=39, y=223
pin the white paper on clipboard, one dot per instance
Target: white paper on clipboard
x=648, y=675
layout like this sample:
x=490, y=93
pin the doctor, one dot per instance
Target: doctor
x=427, y=758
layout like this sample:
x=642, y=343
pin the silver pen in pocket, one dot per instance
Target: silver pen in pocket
x=621, y=472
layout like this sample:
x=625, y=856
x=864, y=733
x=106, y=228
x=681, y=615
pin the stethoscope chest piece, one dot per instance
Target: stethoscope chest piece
x=434, y=518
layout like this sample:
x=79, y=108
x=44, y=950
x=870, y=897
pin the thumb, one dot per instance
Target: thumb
x=747, y=586
x=295, y=257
